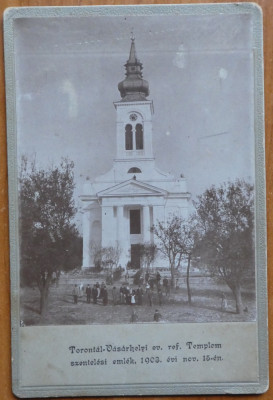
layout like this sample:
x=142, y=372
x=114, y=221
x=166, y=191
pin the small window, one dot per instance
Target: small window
x=134, y=170
x=139, y=137
x=128, y=137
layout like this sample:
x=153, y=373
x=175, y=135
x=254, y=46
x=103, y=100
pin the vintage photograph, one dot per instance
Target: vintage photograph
x=136, y=169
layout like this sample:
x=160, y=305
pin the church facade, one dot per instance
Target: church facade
x=121, y=206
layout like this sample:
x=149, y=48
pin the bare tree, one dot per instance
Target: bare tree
x=189, y=238
x=148, y=253
x=108, y=257
x=170, y=238
x=95, y=253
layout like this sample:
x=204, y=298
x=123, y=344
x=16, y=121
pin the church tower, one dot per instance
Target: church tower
x=121, y=206
x=134, y=152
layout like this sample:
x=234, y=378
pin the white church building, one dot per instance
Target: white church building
x=121, y=206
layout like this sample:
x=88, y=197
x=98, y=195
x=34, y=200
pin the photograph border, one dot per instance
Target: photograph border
x=10, y=16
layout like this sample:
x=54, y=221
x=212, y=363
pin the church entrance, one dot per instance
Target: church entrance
x=135, y=256
x=135, y=225
x=135, y=232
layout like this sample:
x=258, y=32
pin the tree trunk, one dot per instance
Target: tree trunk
x=43, y=301
x=172, y=277
x=188, y=280
x=238, y=299
x=44, y=290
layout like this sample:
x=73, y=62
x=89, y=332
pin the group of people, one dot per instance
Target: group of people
x=128, y=295
x=125, y=295
x=155, y=281
x=98, y=293
x=147, y=295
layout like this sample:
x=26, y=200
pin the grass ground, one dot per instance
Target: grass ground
x=206, y=306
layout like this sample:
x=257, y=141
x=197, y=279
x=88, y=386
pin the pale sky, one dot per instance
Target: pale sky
x=200, y=72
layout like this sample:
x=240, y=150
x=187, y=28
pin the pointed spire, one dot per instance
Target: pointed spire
x=132, y=56
x=133, y=87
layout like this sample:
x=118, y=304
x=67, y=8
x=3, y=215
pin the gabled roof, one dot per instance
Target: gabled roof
x=132, y=187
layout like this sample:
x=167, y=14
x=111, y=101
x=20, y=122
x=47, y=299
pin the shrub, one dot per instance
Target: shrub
x=117, y=273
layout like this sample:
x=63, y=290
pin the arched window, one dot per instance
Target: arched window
x=139, y=137
x=134, y=170
x=128, y=137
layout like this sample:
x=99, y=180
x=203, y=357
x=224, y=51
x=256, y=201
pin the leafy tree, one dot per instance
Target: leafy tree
x=50, y=242
x=170, y=242
x=225, y=216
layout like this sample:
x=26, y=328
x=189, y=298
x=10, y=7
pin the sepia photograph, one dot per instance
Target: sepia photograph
x=136, y=186
x=136, y=200
x=135, y=169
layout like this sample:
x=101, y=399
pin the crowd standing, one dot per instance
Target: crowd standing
x=150, y=292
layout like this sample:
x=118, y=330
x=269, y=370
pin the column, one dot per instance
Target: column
x=146, y=224
x=120, y=225
x=108, y=226
x=123, y=236
x=86, y=232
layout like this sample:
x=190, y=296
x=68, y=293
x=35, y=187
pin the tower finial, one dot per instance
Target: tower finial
x=133, y=87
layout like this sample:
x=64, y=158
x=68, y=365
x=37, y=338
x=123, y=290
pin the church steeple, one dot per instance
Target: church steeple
x=132, y=56
x=133, y=87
